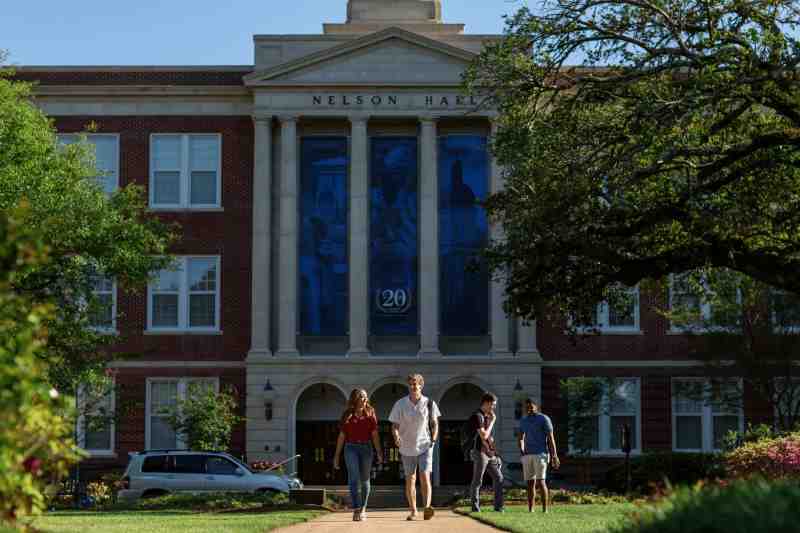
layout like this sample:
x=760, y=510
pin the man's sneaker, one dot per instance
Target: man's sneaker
x=428, y=513
x=476, y=509
x=363, y=515
x=411, y=517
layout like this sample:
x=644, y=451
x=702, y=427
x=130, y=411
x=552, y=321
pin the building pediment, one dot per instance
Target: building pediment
x=390, y=57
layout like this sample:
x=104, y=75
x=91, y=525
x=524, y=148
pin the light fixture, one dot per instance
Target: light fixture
x=269, y=399
x=519, y=397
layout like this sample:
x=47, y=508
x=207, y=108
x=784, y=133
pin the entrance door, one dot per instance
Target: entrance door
x=391, y=471
x=453, y=468
x=316, y=444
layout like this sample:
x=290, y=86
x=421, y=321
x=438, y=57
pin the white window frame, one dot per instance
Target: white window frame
x=113, y=327
x=604, y=422
x=182, y=386
x=603, y=312
x=184, y=174
x=706, y=417
x=81, y=426
x=183, y=299
x=705, y=311
x=76, y=137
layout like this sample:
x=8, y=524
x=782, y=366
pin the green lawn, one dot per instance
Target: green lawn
x=168, y=521
x=560, y=519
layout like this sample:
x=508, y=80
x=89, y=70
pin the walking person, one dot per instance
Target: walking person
x=538, y=449
x=415, y=428
x=483, y=453
x=359, y=426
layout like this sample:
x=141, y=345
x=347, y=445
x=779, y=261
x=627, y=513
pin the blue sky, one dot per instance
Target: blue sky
x=182, y=32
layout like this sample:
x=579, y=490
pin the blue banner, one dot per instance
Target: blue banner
x=463, y=231
x=394, y=250
x=323, y=236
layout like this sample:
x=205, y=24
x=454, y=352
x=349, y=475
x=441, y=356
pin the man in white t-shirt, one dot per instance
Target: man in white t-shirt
x=415, y=428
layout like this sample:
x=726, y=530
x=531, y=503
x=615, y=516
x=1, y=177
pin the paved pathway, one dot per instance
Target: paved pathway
x=390, y=521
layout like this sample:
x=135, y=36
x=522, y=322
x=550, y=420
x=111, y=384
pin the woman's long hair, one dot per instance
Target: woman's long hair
x=352, y=408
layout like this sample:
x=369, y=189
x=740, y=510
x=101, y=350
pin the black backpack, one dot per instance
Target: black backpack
x=467, y=436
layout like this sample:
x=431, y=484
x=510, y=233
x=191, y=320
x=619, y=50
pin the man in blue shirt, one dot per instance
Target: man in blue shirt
x=538, y=449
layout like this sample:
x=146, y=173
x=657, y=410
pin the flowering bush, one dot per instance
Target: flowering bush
x=771, y=458
x=99, y=493
x=261, y=466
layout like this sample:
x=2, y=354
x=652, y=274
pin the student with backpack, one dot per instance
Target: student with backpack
x=480, y=445
x=415, y=428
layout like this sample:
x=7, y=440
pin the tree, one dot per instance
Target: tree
x=35, y=444
x=584, y=399
x=674, y=145
x=86, y=231
x=206, y=418
x=740, y=328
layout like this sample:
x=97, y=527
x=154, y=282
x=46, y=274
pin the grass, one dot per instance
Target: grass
x=560, y=519
x=169, y=521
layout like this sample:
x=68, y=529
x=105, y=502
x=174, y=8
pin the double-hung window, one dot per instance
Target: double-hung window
x=96, y=420
x=106, y=153
x=703, y=412
x=186, y=296
x=618, y=316
x=185, y=171
x=163, y=395
x=785, y=311
x=620, y=406
x=102, y=316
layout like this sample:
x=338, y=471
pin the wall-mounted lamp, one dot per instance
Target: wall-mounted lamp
x=269, y=399
x=519, y=399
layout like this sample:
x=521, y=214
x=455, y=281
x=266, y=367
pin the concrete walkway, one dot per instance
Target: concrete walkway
x=390, y=521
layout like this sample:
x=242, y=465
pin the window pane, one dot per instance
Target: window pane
x=167, y=152
x=621, y=312
x=157, y=463
x=203, y=152
x=202, y=310
x=102, y=315
x=725, y=396
x=625, y=396
x=219, y=466
x=168, y=280
x=463, y=232
x=204, y=187
x=617, y=423
x=688, y=396
x=98, y=439
x=202, y=274
x=189, y=464
x=165, y=310
x=723, y=424
x=588, y=437
x=786, y=309
x=106, y=156
x=689, y=432
x=162, y=436
x=163, y=397
x=166, y=187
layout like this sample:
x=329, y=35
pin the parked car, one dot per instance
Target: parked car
x=159, y=472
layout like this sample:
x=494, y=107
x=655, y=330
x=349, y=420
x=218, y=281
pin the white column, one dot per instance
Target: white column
x=499, y=318
x=359, y=249
x=526, y=340
x=428, y=301
x=262, y=235
x=287, y=273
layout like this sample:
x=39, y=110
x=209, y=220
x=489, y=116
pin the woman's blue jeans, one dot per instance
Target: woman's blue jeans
x=358, y=458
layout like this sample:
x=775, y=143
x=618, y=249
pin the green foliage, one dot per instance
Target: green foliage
x=206, y=418
x=742, y=507
x=673, y=145
x=734, y=439
x=35, y=444
x=85, y=232
x=584, y=403
x=215, y=501
x=560, y=518
x=651, y=472
x=769, y=457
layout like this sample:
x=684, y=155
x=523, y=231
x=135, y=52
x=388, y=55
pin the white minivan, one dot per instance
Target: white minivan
x=156, y=473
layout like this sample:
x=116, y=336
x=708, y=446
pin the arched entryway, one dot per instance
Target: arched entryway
x=457, y=405
x=316, y=427
x=383, y=399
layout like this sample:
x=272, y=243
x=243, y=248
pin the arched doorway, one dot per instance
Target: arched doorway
x=383, y=399
x=457, y=405
x=316, y=428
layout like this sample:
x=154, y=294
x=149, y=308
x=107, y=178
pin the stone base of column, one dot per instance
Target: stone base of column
x=257, y=356
x=530, y=355
x=429, y=352
x=358, y=352
x=500, y=354
x=287, y=353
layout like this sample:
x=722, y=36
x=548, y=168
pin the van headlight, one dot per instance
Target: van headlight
x=294, y=483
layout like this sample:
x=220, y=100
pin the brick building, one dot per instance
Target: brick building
x=326, y=196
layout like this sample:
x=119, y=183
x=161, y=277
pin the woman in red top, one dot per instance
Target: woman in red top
x=358, y=426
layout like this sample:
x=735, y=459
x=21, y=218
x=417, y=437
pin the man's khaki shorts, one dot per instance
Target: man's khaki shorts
x=534, y=466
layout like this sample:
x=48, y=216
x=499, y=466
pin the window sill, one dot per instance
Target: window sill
x=155, y=209
x=606, y=454
x=156, y=332
x=101, y=454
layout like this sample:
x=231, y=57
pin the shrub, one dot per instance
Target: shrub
x=740, y=507
x=734, y=439
x=771, y=458
x=99, y=493
x=221, y=501
x=651, y=471
x=206, y=418
x=263, y=466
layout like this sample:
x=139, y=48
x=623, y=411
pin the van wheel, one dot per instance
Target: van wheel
x=154, y=493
